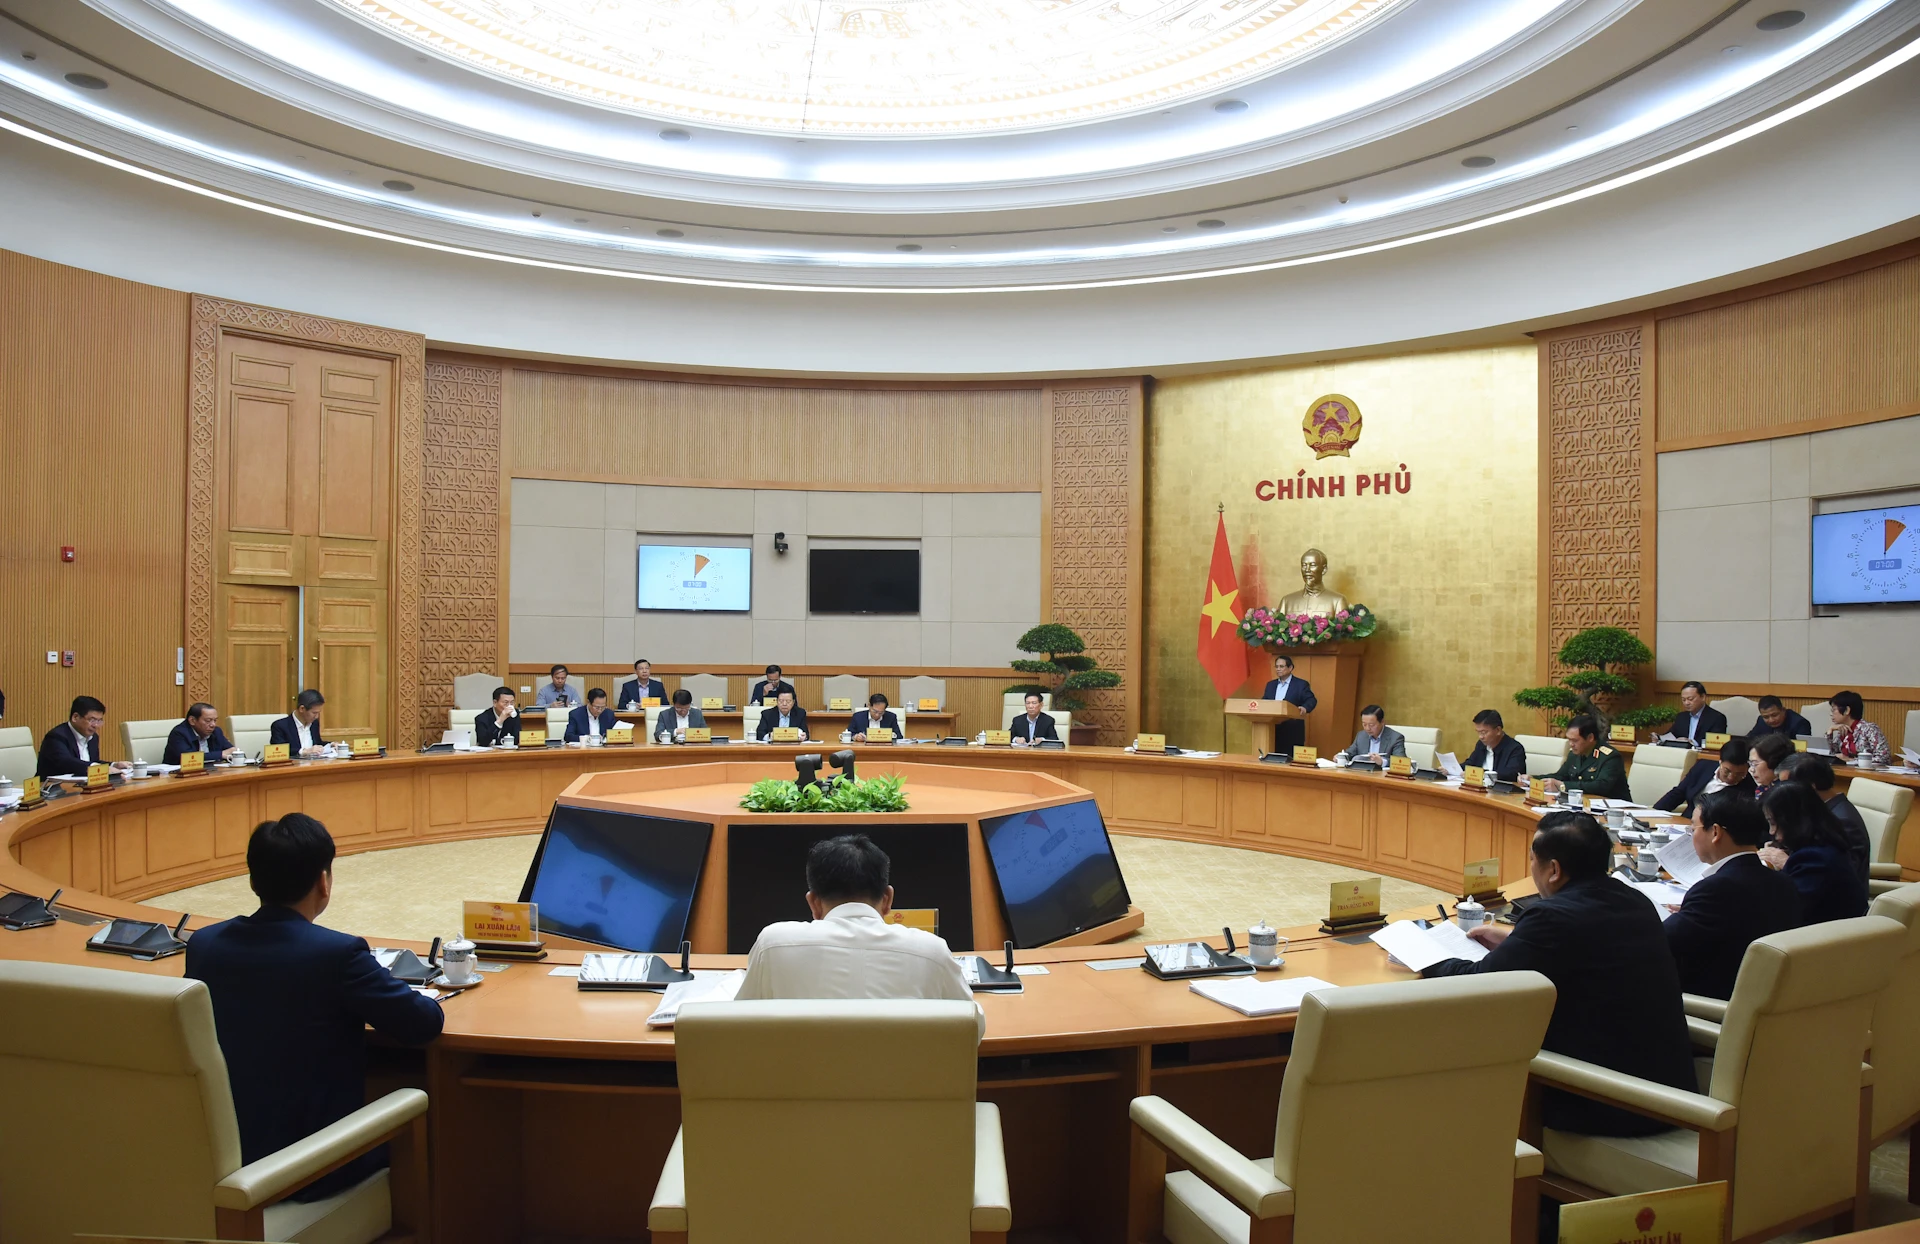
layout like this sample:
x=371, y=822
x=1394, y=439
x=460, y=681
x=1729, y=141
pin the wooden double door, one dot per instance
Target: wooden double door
x=303, y=531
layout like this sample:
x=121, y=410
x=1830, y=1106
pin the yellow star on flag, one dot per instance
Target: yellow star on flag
x=1219, y=607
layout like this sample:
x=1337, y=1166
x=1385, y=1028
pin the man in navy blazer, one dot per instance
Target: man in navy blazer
x=581, y=721
x=1288, y=735
x=1696, y=720
x=200, y=732
x=875, y=714
x=1033, y=725
x=1777, y=718
x=1739, y=899
x=300, y=729
x=1707, y=776
x=70, y=748
x=1497, y=752
x=292, y=1000
x=784, y=712
x=634, y=691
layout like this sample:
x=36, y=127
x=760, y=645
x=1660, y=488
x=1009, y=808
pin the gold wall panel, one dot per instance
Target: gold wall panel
x=259, y=373
x=340, y=562
x=260, y=560
x=351, y=386
x=1449, y=565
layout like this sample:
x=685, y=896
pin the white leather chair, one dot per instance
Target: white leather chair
x=1657, y=770
x=1741, y=712
x=1819, y=716
x=886, y=1088
x=1884, y=807
x=1423, y=743
x=18, y=757
x=557, y=721
x=1788, y=1101
x=850, y=687
x=250, y=731
x=1896, y=1035
x=147, y=740
x=1375, y=1069
x=474, y=692
x=1012, y=702
x=920, y=687
x=704, y=686
x=1545, y=753
x=146, y=1143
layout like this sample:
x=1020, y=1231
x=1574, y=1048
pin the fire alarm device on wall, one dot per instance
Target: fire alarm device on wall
x=66, y=552
x=66, y=658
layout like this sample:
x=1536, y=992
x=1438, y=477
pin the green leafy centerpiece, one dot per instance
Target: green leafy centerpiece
x=879, y=794
x=1593, y=687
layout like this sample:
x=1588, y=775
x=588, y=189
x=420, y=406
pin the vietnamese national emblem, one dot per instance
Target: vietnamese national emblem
x=1332, y=426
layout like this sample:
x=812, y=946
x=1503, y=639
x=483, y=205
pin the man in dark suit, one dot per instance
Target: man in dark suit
x=1707, y=776
x=593, y=719
x=1817, y=772
x=1033, y=725
x=768, y=689
x=1777, y=718
x=1290, y=734
x=1602, y=947
x=292, y=1000
x=1739, y=899
x=1696, y=719
x=200, y=732
x=70, y=748
x=635, y=691
x=783, y=713
x=1498, y=752
x=678, y=716
x=300, y=730
x=500, y=723
x=874, y=714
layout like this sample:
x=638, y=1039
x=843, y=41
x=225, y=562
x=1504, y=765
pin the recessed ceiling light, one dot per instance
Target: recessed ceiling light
x=1212, y=224
x=908, y=246
x=404, y=187
x=1169, y=229
x=1343, y=198
x=1477, y=162
x=1572, y=127
x=536, y=213
x=1781, y=20
x=579, y=220
x=87, y=82
x=675, y=136
x=1231, y=105
x=29, y=56
x=670, y=233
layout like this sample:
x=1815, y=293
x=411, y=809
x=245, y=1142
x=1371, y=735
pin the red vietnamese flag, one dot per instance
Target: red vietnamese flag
x=1222, y=652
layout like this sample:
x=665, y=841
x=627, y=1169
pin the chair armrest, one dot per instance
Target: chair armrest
x=1695, y=1111
x=669, y=1209
x=1883, y=872
x=992, y=1201
x=1703, y=1007
x=287, y=1170
x=1704, y=1032
x=1527, y=1161
x=1251, y=1185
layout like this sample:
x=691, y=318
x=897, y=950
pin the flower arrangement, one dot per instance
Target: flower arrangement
x=879, y=794
x=1269, y=628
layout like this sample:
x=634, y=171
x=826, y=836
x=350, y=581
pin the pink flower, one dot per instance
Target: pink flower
x=1343, y=615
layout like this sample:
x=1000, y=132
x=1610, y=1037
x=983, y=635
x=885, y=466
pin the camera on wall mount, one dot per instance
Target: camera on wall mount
x=779, y=541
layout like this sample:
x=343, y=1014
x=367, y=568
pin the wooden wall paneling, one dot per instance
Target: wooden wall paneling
x=258, y=660
x=93, y=384
x=464, y=516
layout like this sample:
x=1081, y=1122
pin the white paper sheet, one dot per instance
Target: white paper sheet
x=704, y=987
x=1450, y=764
x=1659, y=893
x=1250, y=996
x=1678, y=859
x=1113, y=965
x=1419, y=949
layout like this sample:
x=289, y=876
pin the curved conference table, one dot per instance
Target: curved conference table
x=553, y=1109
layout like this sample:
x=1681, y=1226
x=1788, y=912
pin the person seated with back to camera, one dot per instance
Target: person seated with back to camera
x=1707, y=776
x=592, y=720
x=1817, y=772
x=1738, y=900
x=1375, y=741
x=876, y=715
x=292, y=1002
x=848, y=950
x=1618, y=992
x=784, y=712
x=1811, y=850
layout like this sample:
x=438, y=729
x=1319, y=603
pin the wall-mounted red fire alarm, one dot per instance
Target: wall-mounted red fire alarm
x=66, y=552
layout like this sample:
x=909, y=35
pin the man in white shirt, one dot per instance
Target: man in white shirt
x=849, y=950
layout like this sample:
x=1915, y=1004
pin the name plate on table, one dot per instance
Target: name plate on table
x=786, y=734
x=363, y=748
x=1480, y=877
x=879, y=734
x=1352, y=903
x=840, y=704
x=1400, y=766
x=1149, y=742
x=1718, y=738
x=99, y=777
x=1537, y=791
x=929, y=704
x=1473, y=777
x=192, y=763
x=1799, y=745
x=711, y=701
x=30, y=796
x=652, y=701
x=277, y=754
x=501, y=922
x=1621, y=734
x=1674, y=1216
x=1306, y=755
x=620, y=736
x=699, y=734
x=528, y=738
x=1001, y=737
x=926, y=919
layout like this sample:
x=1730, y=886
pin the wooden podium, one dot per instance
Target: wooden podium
x=1262, y=716
x=1334, y=672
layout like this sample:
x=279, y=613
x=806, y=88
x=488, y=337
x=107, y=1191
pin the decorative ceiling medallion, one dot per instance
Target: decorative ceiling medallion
x=910, y=67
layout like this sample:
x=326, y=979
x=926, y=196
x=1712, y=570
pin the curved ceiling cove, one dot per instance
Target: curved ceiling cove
x=900, y=68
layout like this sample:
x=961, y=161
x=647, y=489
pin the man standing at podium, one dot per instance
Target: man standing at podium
x=1291, y=733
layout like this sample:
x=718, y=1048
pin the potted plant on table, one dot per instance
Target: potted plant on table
x=1595, y=656
x=1060, y=654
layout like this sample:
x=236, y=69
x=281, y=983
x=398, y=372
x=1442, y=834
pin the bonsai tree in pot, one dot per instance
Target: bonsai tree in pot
x=1060, y=655
x=1595, y=656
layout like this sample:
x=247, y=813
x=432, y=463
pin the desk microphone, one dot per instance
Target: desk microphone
x=1009, y=958
x=686, y=956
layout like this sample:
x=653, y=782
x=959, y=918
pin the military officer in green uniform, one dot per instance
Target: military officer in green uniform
x=1590, y=766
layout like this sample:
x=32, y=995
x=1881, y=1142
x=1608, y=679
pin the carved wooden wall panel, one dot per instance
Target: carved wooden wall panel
x=460, y=541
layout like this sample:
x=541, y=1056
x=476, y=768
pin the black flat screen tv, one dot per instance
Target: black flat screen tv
x=863, y=580
x=1056, y=871
x=767, y=872
x=615, y=879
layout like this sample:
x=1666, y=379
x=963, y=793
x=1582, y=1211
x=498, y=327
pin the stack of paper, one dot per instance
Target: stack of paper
x=1419, y=949
x=1251, y=996
x=1659, y=893
x=1449, y=765
x=1681, y=863
x=705, y=986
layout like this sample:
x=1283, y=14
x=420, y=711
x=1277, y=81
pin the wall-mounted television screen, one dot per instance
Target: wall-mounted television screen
x=1056, y=871
x=863, y=580
x=696, y=578
x=616, y=879
x=1863, y=557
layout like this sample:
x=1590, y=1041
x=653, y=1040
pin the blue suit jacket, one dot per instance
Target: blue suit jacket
x=631, y=692
x=1712, y=721
x=186, y=739
x=1299, y=691
x=1720, y=918
x=1692, y=786
x=1830, y=888
x=1793, y=726
x=287, y=730
x=577, y=723
x=291, y=1002
x=863, y=721
x=60, y=753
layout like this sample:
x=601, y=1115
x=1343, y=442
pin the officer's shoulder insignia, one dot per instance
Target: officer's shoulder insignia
x=1606, y=751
